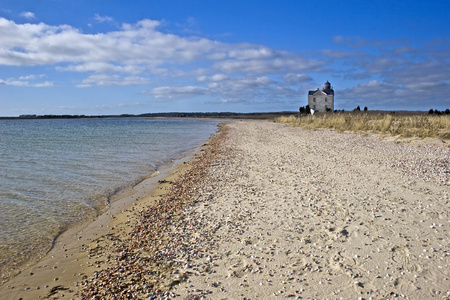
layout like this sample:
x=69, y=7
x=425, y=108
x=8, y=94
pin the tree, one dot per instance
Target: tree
x=307, y=110
x=365, y=108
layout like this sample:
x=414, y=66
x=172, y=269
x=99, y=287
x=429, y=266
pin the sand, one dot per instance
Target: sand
x=70, y=262
x=319, y=214
x=267, y=211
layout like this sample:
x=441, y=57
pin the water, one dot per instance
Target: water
x=56, y=172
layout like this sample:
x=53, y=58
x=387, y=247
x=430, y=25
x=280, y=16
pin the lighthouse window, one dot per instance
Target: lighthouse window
x=325, y=99
x=314, y=99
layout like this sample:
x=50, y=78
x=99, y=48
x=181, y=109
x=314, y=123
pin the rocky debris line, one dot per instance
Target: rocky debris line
x=279, y=212
x=152, y=257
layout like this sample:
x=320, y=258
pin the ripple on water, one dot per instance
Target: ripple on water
x=54, y=173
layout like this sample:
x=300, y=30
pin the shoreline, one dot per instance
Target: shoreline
x=264, y=210
x=52, y=184
x=68, y=262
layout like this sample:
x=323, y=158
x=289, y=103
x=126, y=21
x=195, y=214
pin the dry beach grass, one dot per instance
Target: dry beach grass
x=269, y=211
x=422, y=126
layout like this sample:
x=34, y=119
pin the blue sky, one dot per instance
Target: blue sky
x=113, y=57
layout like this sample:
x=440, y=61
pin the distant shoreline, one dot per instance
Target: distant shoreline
x=262, y=115
x=253, y=115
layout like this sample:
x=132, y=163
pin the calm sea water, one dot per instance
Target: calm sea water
x=55, y=173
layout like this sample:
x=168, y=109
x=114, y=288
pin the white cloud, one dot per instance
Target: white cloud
x=219, y=77
x=339, y=39
x=44, y=84
x=40, y=44
x=294, y=78
x=411, y=74
x=380, y=64
x=340, y=54
x=404, y=49
x=189, y=66
x=357, y=75
x=217, y=56
x=103, y=67
x=121, y=58
x=382, y=94
x=392, y=73
x=231, y=88
x=258, y=82
x=252, y=53
x=107, y=80
x=31, y=77
x=24, y=81
x=373, y=90
x=131, y=48
x=102, y=19
x=171, y=92
x=230, y=100
x=190, y=26
x=28, y=15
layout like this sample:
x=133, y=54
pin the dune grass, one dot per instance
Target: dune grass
x=421, y=126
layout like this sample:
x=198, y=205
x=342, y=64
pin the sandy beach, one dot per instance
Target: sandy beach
x=267, y=211
x=318, y=214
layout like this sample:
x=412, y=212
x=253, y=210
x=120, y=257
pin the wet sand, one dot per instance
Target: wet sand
x=267, y=211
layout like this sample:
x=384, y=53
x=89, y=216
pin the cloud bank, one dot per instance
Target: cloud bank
x=142, y=54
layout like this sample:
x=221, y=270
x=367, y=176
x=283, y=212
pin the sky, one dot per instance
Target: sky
x=97, y=57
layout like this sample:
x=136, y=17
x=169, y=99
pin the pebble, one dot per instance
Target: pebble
x=168, y=220
x=179, y=234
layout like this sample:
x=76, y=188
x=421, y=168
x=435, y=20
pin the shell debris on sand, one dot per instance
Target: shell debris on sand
x=155, y=253
x=269, y=211
x=320, y=214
